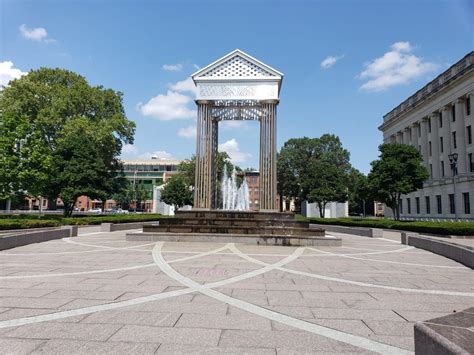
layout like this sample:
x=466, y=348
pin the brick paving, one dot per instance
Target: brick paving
x=97, y=293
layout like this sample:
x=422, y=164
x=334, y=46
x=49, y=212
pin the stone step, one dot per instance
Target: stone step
x=213, y=214
x=226, y=229
x=237, y=222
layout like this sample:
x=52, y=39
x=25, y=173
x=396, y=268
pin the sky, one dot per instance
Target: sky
x=345, y=63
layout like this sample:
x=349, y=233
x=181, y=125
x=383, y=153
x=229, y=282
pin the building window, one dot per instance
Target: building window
x=419, y=130
x=441, y=145
x=429, y=125
x=419, y=148
x=469, y=135
x=468, y=105
x=408, y=206
x=440, y=120
x=400, y=205
x=454, y=140
x=467, y=204
x=452, y=206
x=431, y=150
x=417, y=202
x=453, y=113
x=438, y=204
x=411, y=136
x=471, y=163
x=427, y=202
x=431, y=170
x=442, y=168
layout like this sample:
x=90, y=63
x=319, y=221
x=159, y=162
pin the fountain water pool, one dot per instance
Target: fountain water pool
x=233, y=197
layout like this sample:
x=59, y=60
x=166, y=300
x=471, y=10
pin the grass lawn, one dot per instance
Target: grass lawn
x=443, y=228
x=29, y=221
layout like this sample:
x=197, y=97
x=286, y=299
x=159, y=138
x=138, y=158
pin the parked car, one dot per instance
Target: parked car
x=95, y=210
x=119, y=211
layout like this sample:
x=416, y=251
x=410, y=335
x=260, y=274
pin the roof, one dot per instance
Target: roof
x=237, y=65
x=151, y=161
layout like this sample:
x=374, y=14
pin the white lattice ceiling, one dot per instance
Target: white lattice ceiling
x=237, y=67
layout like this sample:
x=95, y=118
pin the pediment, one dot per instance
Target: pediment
x=237, y=65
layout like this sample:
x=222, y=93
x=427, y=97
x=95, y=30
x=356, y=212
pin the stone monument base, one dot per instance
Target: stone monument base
x=263, y=228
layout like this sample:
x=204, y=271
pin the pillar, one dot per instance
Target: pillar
x=446, y=117
x=414, y=135
x=203, y=189
x=406, y=136
x=424, y=141
x=460, y=128
x=268, y=172
x=435, y=158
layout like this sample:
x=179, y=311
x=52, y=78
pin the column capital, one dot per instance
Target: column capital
x=435, y=114
x=425, y=119
x=202, y=102
x=269, y=102
x=445, y=108
x=406, y=129
x=459, y=100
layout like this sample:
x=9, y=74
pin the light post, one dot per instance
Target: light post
x=453, y=161
x=135, y=190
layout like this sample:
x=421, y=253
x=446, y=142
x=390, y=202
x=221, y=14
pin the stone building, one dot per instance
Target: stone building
x=438, y=121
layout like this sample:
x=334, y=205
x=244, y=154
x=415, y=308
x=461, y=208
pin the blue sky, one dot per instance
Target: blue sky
x=346, y=63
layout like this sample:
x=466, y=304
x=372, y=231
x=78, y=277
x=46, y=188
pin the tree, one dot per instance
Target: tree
x=314, y=169
x=52, y=118
x=359, y=193
x=398, y=171
x=177, y=192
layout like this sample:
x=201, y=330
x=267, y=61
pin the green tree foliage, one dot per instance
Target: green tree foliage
x=398, y=171
x=177, y=192
x=314, y=169
x=360, y=200
x=61, y=137
x=187, y=168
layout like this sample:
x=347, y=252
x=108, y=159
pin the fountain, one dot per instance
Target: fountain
x=234, y=198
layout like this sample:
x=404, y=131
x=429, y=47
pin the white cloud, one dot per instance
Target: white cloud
x=329, y=61
x=8, y=73
x=186, y=85
x=187, y=132
x=172, y=67
x=196, y=66
x=167, y=107
x=232, y=148
x=396, y=67
x=38, y=34
x=159, y=154
x=129, y=149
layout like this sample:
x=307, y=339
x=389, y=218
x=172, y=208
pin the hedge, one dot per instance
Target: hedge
x=443, y=228
x=27, y=221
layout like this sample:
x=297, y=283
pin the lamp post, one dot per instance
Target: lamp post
x=453, y=161
x=135, y=190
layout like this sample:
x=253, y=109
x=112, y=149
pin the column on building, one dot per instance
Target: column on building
x=204, y=159
x=447, y=149
x=460, y=128
x=414, y=135
x=399, y=137
x=424, y=141
x=268, y=178
x=406, y=136
x=435, y=151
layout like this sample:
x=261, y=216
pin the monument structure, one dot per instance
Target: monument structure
x=236, y=87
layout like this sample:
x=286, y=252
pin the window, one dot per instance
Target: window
x=419, y=148
x=429, y=125
x=453, y=113
x=441, y=144
x=400, y=205
x=427, y=202
x=417, y=202
x=410, y=133
x=408, y=206
x=467, y=204
x=471, y=163
x=454, y=140
x=419, y=130
x=469, y=135
x=468, y=105
x=431, y=150
x=442, y=168
x=438, y=204
x=440, y=120
x=431, y=170
x=452, y=207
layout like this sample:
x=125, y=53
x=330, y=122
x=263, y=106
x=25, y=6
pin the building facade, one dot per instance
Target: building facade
x=438, y=121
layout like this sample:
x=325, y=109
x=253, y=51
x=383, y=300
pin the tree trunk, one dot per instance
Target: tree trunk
x=321, y=209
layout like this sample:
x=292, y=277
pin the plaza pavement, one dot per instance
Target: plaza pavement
x=98, y=293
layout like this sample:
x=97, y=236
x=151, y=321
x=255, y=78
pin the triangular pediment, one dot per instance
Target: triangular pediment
x=237, y=65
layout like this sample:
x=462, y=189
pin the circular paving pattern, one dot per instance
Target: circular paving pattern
x=98, y=293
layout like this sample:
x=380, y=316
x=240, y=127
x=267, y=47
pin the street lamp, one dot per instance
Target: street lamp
x=453, y=161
